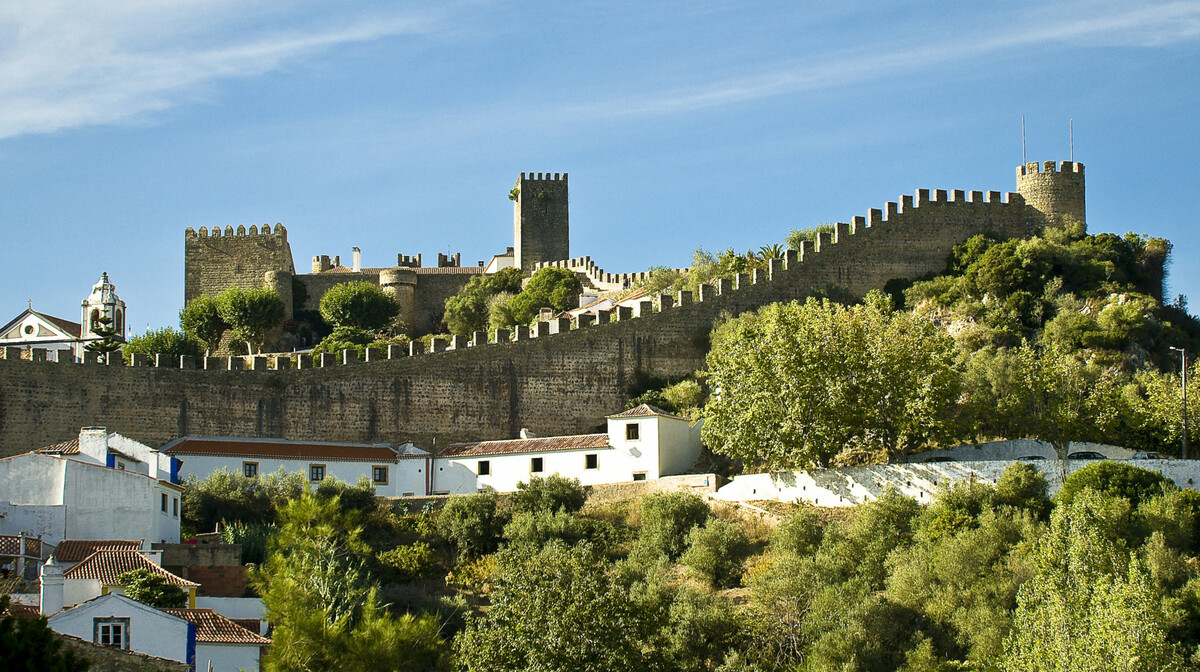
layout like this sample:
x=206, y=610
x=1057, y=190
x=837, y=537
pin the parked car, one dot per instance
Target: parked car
x=1086, y=455
x=1030, y=458
x=1148, y=455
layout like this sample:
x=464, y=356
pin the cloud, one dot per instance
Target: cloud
x=1146, y=26
x=70, y=64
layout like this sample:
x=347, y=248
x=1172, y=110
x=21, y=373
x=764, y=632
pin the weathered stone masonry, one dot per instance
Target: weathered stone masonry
x=564, y=380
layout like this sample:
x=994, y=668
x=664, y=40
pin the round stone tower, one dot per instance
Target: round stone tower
x=401, y=283
x=1055, y=190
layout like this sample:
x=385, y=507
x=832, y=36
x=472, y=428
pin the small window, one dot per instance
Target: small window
x=316, y=472
x=631, y=432
x=175, y=507
x=164, y=502
x=535, y=465
x=590, y=461
x=485, y=468
x=379, y=474
x=250, y=469
x=112, y=632
x=120, y=466
x=639, y=475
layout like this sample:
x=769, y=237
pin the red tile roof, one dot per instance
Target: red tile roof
x=213, y=628
x=72, y=328
x=106, y=566
x=243, y=447
x=74, y=550
x=643, y=411
x=65, y=448
x=24, y=610
x=519, y=446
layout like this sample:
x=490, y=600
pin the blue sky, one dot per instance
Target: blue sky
x=401, y=128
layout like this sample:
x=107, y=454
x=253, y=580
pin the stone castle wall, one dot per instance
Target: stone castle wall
x=213, y=262
x=562, y=381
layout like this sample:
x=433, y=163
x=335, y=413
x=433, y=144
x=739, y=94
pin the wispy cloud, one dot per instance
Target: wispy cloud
x=68, y=64
x=1102, y=26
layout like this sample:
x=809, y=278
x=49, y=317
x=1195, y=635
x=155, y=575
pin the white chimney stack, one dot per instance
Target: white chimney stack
x=93, y=442
x=357, y=260
x=52, y=587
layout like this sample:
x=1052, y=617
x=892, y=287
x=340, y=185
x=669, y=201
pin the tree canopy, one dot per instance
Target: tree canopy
x=359, y=304
x=550, y=287
x=201, y=319
x=467, y=311
x=165, y=341
x=250, y=313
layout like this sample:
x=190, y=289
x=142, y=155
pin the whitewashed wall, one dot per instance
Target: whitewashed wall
x=459, y=475
x=406, y=476
x=1014, y=448
x=227, y=657
x=151, y=631
x=856, y=485
x=236, y=607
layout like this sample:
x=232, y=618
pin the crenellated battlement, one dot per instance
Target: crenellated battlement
x=1034, y=167
x=541, y=177
x=241, y=232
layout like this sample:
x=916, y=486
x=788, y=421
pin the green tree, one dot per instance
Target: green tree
x=201, y=319
x=1091, y=606
x=555, y=608
x=799, y=236
x=165, y=341
x=667, y=519
x=29, y=645
x=360, y=305
x=1051, y=398
x=550, y=287
x=345, y=338
x=326, y=613
x=110, y=339
x=1115, y=479
x=152, y=589
x=717, y=552
x=467, y=311
x=250, y=313
x=807, y=384
x=553, y=493
x=472, y=523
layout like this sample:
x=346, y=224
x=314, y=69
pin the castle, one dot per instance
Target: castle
x=559, y=377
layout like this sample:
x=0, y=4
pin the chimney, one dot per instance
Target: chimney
x=93, y=443
x=357, y=260
x=52, y=587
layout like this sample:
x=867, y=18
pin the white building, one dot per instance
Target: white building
x=32, y=329
x=99, y=574
x=641, y=443
x=394, y=472
x=221, y=643
x=99, y=486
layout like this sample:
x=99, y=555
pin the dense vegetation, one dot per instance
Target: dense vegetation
x=989, y=577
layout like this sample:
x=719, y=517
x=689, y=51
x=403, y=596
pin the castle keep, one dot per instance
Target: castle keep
x=559, y=377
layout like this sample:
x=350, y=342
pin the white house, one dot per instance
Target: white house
x=641, y=443
x=99, y=574
x=117, y=621
x=32, y=329
x=99, y=486
x=221, y=643
x=394, y=472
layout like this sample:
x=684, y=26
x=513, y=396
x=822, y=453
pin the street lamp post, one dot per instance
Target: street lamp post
x=1183, y=358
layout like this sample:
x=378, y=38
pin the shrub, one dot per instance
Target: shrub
x=359, y=304
x=1116, y=479
x=476, y=575
x=540, y=527
x=800, y=533
x=411, y=562
x=152, y=589
x=717, y=551
x=360, y=496
x=253, y=536
x=1023, y=487
x=472, y=523
x=666, y=521
x=165, y=341
x=553, y=493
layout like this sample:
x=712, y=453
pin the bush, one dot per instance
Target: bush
x=226, y=496
x=165, y=341
x=717, y=551
x=345, y=338
x=411, y=562
x=472, y=523
x=539, y=528
x=1023, y=487
x=1115, y=479
x=360, y=496
x=553, y=493
x=253, y=536
x=799, y=534
x=667, y=519
x=152, y=589
x=360, y=305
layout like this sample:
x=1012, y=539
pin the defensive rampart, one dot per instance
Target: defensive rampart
x=561, y=377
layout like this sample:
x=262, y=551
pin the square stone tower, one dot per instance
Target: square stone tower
x=541, y=221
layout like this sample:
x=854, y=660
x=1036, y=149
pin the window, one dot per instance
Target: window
x=379, y=474
x=535, y=465
x=112, y=632
x=164, y=502
x=631, y=432
x=639, y=475
x=316, y=472
x=120, y=466
x=485, y=468
x=175, y=506
x=590, y=461
x=250, y=469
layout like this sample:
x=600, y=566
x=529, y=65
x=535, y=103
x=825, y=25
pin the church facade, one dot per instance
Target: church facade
x=33, y=329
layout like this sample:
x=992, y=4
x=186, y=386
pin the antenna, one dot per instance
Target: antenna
x=1072, y=126
x=1023, y=160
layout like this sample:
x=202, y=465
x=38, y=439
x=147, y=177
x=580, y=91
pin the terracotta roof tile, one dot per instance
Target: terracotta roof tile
x=645, y=410
x=24, y=610
x=106, y=566
x=74, y=550
x=214, y=628
x=246, y=447
x=519, y=446
x=72, y=328
x=65, y=448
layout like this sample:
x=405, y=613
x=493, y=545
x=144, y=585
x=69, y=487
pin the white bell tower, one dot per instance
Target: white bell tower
x=102, y=302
